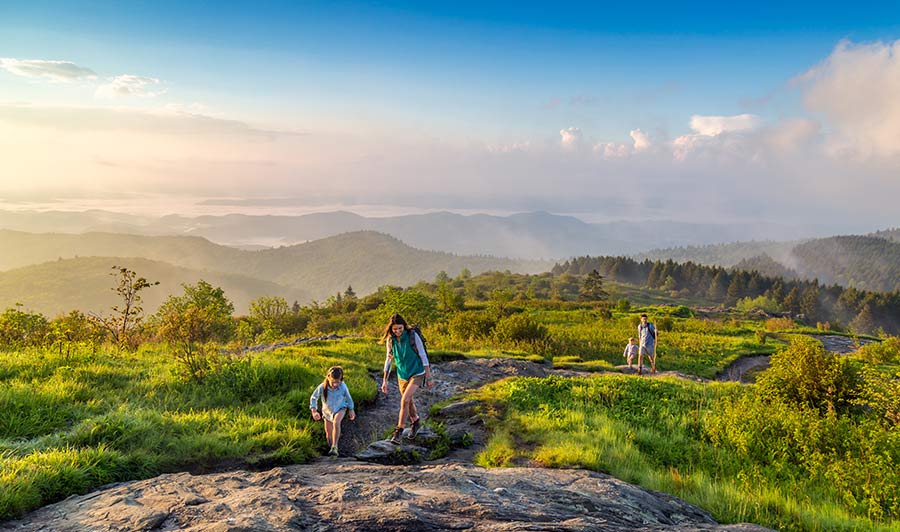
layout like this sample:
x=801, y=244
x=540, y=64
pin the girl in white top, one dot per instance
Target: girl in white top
x=336, y=402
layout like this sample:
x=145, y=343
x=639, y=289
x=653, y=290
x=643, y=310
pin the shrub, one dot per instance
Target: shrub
x=882, y=395
x=467, y=326
x=682, y=311
x=189, y=323
x=72, y=331
x=665, y=324
x=805, y=374
x=884, y=352
x=779, y=324
x=519, y=328
x=413, y=305
x=623, y=305
x=20, y=329
x=271, y=314
x=766, y=304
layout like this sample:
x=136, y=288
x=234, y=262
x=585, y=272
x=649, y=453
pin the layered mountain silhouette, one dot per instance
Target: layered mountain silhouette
x=57, y=272
x=536, y=235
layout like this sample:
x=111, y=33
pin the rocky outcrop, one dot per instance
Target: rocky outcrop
x=352, y=496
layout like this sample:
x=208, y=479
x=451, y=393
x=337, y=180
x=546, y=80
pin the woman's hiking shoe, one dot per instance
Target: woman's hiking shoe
x=395, y=436
x=333, y=451
x=415, y=428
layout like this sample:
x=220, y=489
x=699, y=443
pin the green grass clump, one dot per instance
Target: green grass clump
x=725, y=447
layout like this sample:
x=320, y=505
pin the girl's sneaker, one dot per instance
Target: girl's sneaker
x=395, y=436
x=333, y=451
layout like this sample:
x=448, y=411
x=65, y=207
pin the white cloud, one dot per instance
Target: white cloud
x=570, y=138
x=857, y=91
x=708, y=129
x=615, y=150
x=612, y=150
x=711, y=126
x=791, y=135
x=641, y=140
x=58, y=71
x=129, y=85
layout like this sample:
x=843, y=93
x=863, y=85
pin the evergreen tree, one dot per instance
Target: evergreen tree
x=592, y=287
x=349, y=293
x=792, y=301
x=809, y=302
x=734, y=290
x=653, y=279
x=864, y=322
x=718, y=286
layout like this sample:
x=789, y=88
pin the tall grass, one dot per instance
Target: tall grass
x=720, y=446
x=69, y=424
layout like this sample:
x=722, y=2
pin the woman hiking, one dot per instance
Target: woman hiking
x=405, y=349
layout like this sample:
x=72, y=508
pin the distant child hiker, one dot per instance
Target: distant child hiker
x=630, y=350
x=336, y=402
x=405, y=349
x=647, y=336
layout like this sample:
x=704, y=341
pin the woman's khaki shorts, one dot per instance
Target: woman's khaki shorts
x=418, y=379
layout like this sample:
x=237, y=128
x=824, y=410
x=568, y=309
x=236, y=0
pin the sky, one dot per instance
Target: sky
x=705, y=112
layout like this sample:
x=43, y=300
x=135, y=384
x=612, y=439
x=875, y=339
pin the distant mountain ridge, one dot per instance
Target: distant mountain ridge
x=57, y=287
x=870, y=262
x=535, y=235
x=42, y=264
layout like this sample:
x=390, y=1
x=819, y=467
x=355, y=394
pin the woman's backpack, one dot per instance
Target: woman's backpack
x=416, y=329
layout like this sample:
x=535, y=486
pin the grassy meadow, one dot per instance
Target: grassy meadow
x=69, y=424
x=71, y=421
x=743, y=453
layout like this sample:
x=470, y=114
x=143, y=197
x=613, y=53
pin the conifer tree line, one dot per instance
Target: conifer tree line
x=863, y=310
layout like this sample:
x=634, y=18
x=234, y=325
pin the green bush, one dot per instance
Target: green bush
x=766, y=304
x=665, y=324
x=468, y=326
x=807, y=375
x=778, y=324
x=413, y=305
x=884, y=352
x=519, y=328
x=682, y=311
x=21, y=329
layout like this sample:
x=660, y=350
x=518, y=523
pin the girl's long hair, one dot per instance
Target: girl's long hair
x=396, y=319
x=335, y=373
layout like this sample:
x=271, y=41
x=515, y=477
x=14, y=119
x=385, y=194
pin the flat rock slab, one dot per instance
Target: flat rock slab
x=353, y=496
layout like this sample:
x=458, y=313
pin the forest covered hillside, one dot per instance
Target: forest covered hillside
x=863, y=262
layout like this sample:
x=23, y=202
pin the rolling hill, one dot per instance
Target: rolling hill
x=62, y=272
x=84, y=284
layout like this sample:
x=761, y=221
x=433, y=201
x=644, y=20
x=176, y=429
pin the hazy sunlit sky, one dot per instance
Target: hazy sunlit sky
x=712, y=112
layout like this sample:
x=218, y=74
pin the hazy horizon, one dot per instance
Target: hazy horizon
x=786, y=115
x=190, y=209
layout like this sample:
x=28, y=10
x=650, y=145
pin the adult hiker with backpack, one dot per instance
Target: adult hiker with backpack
x=405, y=348
x=646, y=344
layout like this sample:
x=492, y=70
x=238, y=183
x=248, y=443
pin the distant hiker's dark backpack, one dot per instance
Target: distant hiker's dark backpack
x=412, y=342
x=651, y=330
